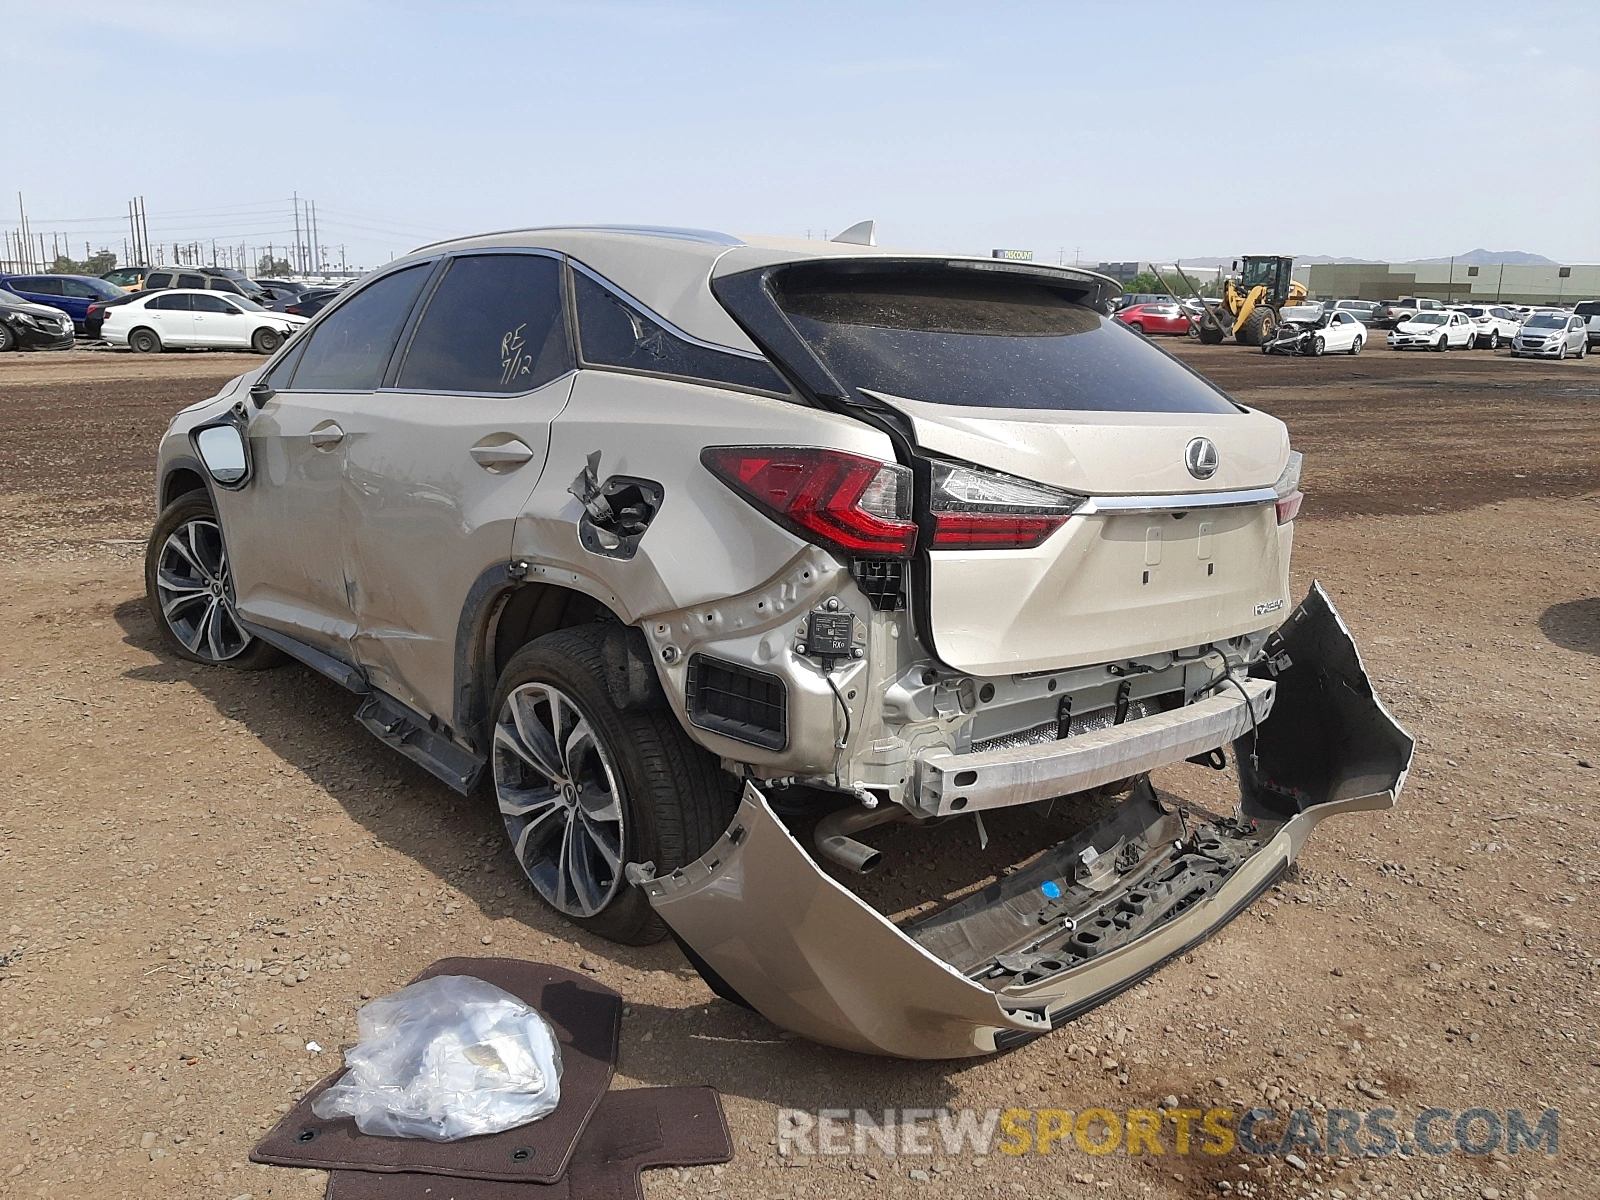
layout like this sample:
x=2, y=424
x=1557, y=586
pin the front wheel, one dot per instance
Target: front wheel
x=266, y=340
x=1355, y=346
x=1319, y=346
x=1561, y=351
x=144, y=341
x=1442, y=344
x=189, y=587
x=585, y=788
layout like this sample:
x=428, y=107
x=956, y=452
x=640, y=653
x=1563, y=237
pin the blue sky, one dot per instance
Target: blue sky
x=1106, y=130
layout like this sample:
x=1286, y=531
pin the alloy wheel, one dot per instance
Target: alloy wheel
x=195, y=587
x=560, y=797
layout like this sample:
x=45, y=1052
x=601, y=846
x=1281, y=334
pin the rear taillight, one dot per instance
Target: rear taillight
x=1290, y=496
x=984, y=510
x=843, y=501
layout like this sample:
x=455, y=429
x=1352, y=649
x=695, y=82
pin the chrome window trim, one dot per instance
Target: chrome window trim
x=645, y=311
x=403, y=391
x=1186, y=502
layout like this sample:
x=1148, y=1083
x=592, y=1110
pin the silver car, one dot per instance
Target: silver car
x=660, y=533
x=1551, y=334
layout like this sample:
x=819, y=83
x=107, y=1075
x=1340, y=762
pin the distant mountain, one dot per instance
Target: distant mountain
x=1486, y=258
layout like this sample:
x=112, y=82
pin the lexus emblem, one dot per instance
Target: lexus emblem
x=1200, y=456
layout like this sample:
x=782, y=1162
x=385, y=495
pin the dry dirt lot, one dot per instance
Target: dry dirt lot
x=201, y=872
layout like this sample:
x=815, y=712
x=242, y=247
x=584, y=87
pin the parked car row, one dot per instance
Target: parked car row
x=187, y=318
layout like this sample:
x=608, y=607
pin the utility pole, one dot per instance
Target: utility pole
x=1450, y=290
x=316, y=242
x=1499, y=283
x=296, y=198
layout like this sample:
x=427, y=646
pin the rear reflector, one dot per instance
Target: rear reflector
x=984, y=510
x=1289, y=506
x=843, y=501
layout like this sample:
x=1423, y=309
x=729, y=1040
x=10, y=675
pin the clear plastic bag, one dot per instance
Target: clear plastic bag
x=447, y=1058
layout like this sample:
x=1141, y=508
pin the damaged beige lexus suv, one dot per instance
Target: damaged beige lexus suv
x=713, y=556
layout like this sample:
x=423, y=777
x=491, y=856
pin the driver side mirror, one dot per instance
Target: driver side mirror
x=225, y=453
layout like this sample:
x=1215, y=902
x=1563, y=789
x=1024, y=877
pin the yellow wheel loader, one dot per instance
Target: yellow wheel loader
x=1250, y=304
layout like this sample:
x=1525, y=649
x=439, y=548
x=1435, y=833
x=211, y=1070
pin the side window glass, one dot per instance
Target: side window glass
x=612, y=333
x=494, y=324
x=283, y=370
x=191, y=281
x=79, y=290
x=178, y=303
x=158, y=279
x=349, y=350
x=40, y=287
x=210, y=304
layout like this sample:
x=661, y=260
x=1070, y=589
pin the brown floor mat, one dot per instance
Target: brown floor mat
x=631, y=1131
x=587, y=1019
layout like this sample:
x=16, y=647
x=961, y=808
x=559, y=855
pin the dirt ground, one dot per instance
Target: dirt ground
x=201, y=872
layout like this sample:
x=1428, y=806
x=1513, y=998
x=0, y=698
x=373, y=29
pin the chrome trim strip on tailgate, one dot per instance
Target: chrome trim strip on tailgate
x=1175, y=503
x=951, y=783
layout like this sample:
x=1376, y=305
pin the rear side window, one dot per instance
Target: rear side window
x=39, y=287
x=950, y=338
x=191, y=281
x=173, y=302
x=349, y=350
x=613, y=333
x=158, y=279
x=494, y=324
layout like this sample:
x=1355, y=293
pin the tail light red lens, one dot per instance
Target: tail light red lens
x=843, y=501
x=1289, y=506
x=984, y=510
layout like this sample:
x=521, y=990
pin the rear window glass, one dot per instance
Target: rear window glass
x=981, y=343
x=1588, y=308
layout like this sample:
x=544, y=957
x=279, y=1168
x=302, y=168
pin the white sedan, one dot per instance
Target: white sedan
x=184, y=318
x=1434, y=331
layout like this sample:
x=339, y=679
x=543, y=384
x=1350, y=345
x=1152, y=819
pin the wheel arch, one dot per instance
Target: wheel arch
x=182, y=475
x=504, y=612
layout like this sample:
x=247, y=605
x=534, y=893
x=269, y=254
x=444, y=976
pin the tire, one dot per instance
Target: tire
x=1561, y=351
x=1210, y=334
x=668, y=800
x=1442, y=344
x=1319, y=346
x=1257, y=328
x=1266, y=349
x=266, y=340
x=1583, y=349
x=190, y=589
x=1136, y=327
x=8, y=340
x=144, y=341
x=1355, y=347
x=1494, y=340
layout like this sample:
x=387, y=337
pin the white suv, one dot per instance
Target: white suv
x=1492, y=323
x=644, y=528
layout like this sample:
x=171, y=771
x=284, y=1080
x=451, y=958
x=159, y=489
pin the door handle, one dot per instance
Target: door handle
x=501, y=455
x=325, y=437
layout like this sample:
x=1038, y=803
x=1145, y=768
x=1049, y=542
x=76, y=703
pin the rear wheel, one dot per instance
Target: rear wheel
x=189, y=586
x=1136, y=327
x=1355, y=346
x=266, y=340
x=144, y=341
x=8, y=340
x=585, y=788
x=1257, y=328
x=1210, y=334
x=1494, y=340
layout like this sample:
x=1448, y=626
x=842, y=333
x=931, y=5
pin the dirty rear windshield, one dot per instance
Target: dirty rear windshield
x=985, y=343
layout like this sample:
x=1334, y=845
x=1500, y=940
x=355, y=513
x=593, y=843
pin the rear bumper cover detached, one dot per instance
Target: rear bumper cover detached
x=1067, y=932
